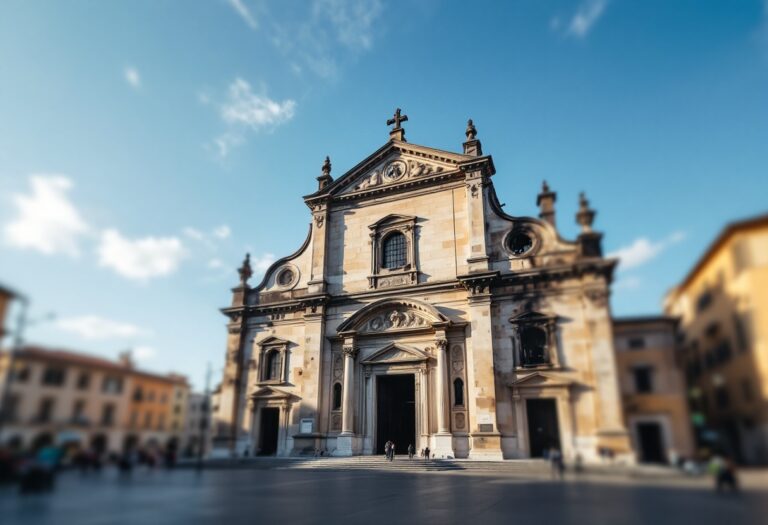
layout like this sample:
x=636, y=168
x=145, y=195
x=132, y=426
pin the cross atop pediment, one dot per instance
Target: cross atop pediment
x=397, y=132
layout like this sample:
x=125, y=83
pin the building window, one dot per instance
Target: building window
x=722, y=399
x=83, y=381
x=636, y=343
x=395, y=251
x=148, y=420
x=723, y=352
x=273, y=365
x=78, y=412
x=54, y=376
x=46, y=410
x=534, y=345
x=393, y=255
x=741, y=333
x=519, y=243
x=112, y=385
x=138, y=394
x=134, y=419
x=703, y=301
x=161, y=422
x=458, y=392
x=337, y=396
x=535, y=340
x=746, y=390
x=151, y=395
x=108, y=415
x=21, y=374
x=10, y=408
x=643, y=376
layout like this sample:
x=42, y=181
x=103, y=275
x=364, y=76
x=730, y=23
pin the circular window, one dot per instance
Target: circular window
x=520, y=243
x=285, y=277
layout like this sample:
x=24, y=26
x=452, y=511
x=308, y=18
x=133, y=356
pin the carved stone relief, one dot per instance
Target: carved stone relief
x=396, y=171
x=393, y=319
x=460, y=420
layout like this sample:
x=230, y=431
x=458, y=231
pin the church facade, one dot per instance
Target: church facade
x=418, y=311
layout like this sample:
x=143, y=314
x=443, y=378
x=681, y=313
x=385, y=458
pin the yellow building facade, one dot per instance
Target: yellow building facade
x=722, y=305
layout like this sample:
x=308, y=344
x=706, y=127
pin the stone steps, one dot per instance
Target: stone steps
x=403, y=464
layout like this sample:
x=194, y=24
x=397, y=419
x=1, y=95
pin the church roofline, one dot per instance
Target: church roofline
x=282, y=261
x=460, y=160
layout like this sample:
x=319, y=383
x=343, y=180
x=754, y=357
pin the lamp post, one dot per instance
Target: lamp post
x=22, y=323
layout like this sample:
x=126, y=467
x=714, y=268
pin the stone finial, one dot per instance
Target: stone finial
x=471, y=132
x=472, y=146
x=325, y=179
x=397, y=132
x=546, y=203
x=586, y=215
x=245, y=270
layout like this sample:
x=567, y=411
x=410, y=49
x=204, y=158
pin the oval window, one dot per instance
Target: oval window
x=520, y=243
x=285, y=278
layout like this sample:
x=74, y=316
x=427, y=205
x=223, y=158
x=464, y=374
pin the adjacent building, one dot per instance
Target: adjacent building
x=723, y=308
x=82, y=401
x=653, y=388
x=419, y=310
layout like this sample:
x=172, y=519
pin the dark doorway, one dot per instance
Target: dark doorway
x=542, y=426
x=395, y=412
x=270, y=425
x=651, y=443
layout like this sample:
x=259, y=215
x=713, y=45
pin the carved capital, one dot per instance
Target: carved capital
x=350, y=350
x=441, y=344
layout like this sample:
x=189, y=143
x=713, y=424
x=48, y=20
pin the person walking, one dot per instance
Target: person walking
x=426, y=454
x=410, y=451
x=556, y=460
x=387, y=449
x=392, y=451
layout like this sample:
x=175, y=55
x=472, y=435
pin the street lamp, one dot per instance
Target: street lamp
x=22, y=323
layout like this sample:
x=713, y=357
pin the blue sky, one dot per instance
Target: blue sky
x=146, y=145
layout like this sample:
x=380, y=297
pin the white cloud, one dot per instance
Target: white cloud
x=254, y=110
x=222, y=232
x=586, y=16
x=643, y=250
x=262, y=263
x=352, y=20
x=132, y=76
x=215, y=264
x=630, y=282
x=93, y=327
x=46, y=220
x=143, y=353
x=140, y=259
x=245, y=13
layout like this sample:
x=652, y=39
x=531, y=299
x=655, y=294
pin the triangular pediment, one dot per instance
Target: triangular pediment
x=540, y=380
x=268, y=392
x=273, y=341
x=393, y=165
x=396, y=353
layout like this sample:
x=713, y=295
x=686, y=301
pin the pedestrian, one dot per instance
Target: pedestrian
x=392, y=452
x=410, y=451
x=724, y=471
x=426, y=454
x=556, y=460
x=387, y=446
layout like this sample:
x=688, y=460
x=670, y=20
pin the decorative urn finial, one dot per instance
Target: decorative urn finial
x=546, y=203
x=471, y=130
x=325, y=179
x=586, y=215
x=245, y=270
x=472, y=146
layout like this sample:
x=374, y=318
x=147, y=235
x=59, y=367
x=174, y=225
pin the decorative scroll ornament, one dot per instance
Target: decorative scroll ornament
x=397, y=171
x=394, y=319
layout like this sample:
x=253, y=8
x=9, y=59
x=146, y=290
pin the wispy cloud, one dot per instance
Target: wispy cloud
x=222, y=232
x=313, y=36
x=580, y=23
x=244, y=12
x=643, y=250
x=245, y=109
x=143, y=353
x=262, y=263
x=132, y=76
x=140, y=259
x=94, y=327
x=46, y=220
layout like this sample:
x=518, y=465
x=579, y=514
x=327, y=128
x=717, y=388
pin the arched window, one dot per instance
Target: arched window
x=394, y=251
x=273, y=364
x=337, y=396
x=458, y=392
x=534, y=346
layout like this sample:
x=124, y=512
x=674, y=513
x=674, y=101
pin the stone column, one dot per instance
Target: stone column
x=442, y=444
x=345, y=441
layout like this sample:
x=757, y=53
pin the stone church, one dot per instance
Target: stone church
x=418, y=311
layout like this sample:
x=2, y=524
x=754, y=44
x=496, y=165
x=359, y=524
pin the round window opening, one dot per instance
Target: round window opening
x=520, y=243
x=285, y=278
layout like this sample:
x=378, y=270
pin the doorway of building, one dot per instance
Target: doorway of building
x=395, y=411
x=651, y=443
x=543, y=431
x=270, y=426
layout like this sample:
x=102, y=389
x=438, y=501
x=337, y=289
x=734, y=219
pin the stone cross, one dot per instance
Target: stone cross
x=396, y=119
